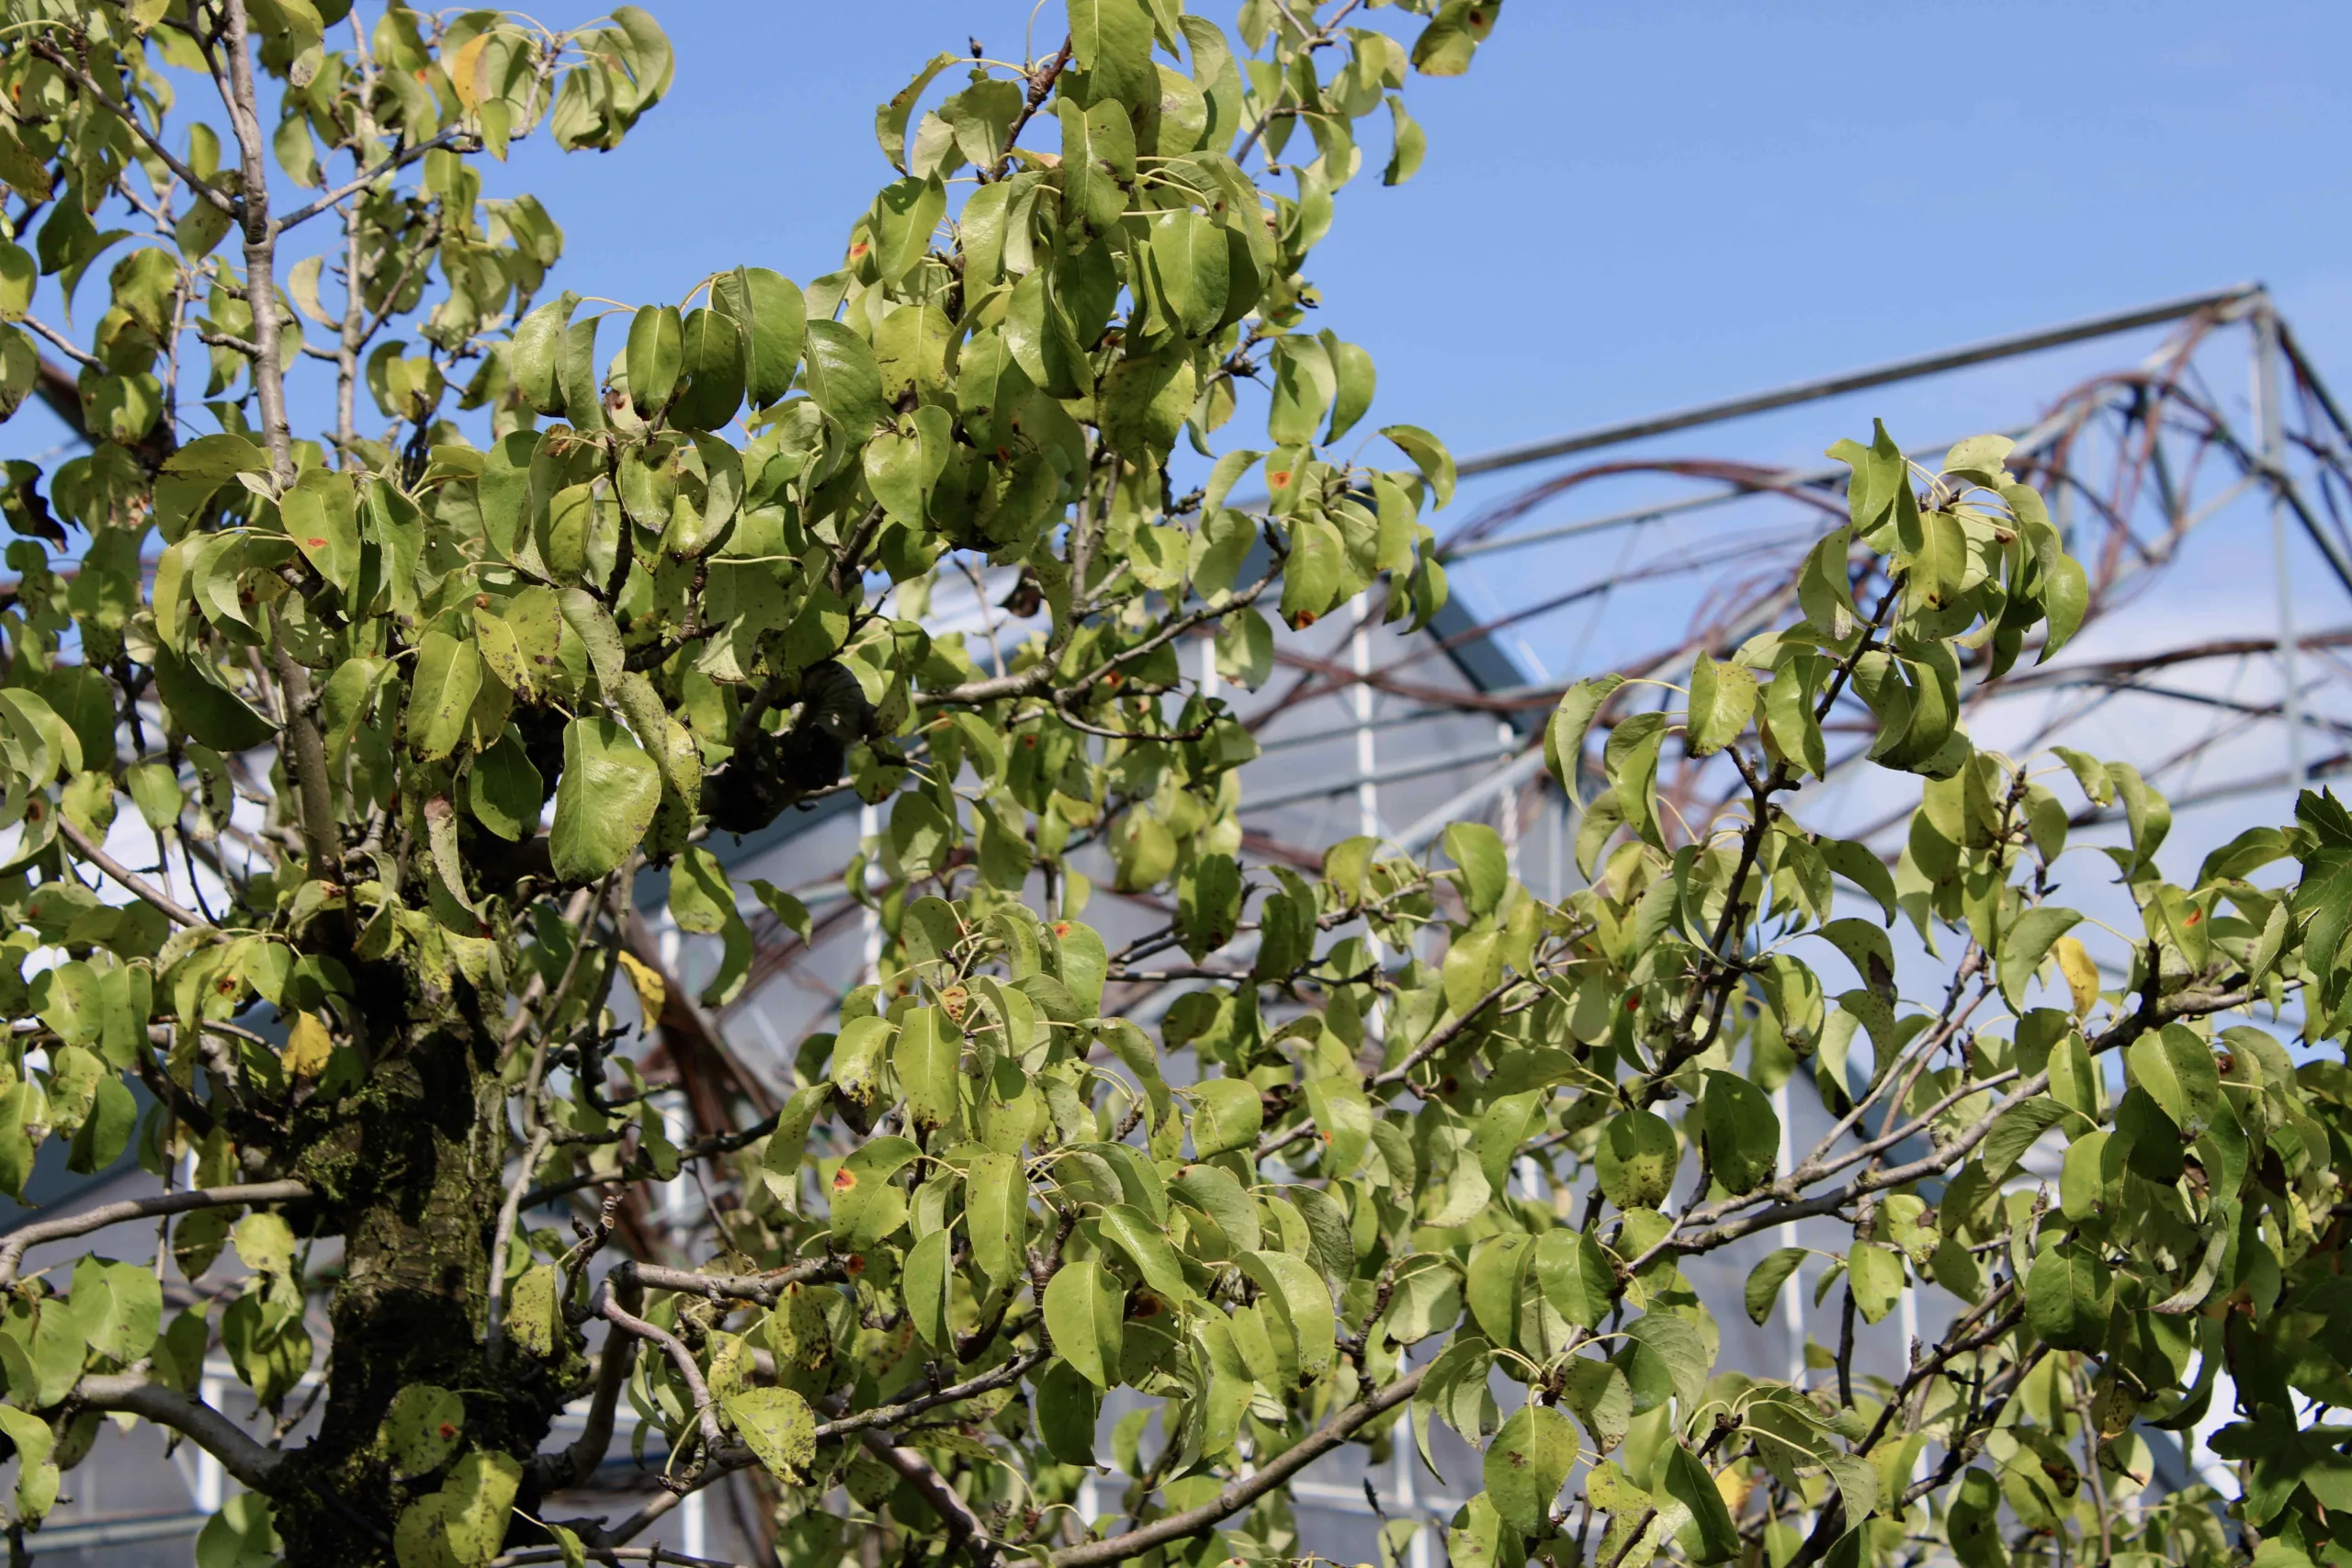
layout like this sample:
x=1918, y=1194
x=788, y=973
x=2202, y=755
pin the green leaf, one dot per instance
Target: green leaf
x=1709, y=1535
x=1875, y=1276
x=982, y=117
x=2069, y=1296
x=205, y=708
x=1636, y=1160
x=1067, y=1408
x=478, y=1500
x=1575, y=1276
x=2066, y=600
x=218, y=457
x=843, y=379
x=1110, y=44
x=905, y=214
x=890, y=116
x=769, y=308
x=1409, y=144
x=865, y=1206
x=1564, y=734
x=1937, y=567
x=504, y=790
x=1146, y=1245
x=1860, y=866
x=2017, y=1129
x=998, y=1214
x=1472, y=967
x=1485, y=868
x=1764, y=1282
x=242, y=1535
x=1304, y=1303
x=776, y=1425
x=120, y=1306
x=1227, y=1114
x=1526, y=1466
x=1304, y=385
x=1502, y=1127
x=2178, y=1071
x=37, y=1478
x=713, y=344
x=1445, y=46
x=604, y=802
x=1428, y=455
x=2025, y=944
x=422, y=1428
x=1083, y=1312
x=1743, y=1132
x=1189, y=263
x=1722, y=699
x=1496, y=1282
x=448, y=678
x=655, y=356
x=1603, y=1401
x=926, y=1061
x=537, y=353
x=1144, y=403
x=1215, y=1193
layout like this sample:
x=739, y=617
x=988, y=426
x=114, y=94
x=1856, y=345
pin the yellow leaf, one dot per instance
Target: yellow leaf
x=650, y=991
x=2082, y=975
x=460, y=63
x=308, y=1046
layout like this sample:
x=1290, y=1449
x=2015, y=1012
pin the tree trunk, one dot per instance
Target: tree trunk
x=410, y=1165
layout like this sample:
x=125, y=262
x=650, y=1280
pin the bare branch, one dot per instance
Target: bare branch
x=133, y=1393
x=20, y=1241
x=1239, y=1493
x=494, y=1320
x=963, y=1526
x=63, y=345
x=90, y=84
x=762, y=1290
x=706, y=1412
x=130, y=881
x=392, y=164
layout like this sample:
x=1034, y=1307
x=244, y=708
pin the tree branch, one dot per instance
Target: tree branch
x=705, y=1412
x=392, y=164
x=239, y=1453
x=131, y=881
x=762, y=1290
x=63, y=345
x=963, y=1526
x=1239, y=1493
x=18, y=1241
x=49, y=51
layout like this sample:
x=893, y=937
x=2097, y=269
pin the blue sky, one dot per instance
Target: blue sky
x=1623, y=206
x=1627, y=207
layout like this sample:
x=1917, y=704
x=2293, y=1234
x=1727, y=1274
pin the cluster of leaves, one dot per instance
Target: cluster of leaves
x=410, y=713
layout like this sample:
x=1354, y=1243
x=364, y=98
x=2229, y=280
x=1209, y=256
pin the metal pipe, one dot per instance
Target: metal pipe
x=2265, y=402
x=1858, y=381
x=1780, y=483
x=1386, y=775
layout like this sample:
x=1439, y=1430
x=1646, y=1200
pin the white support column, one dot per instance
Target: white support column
x=209, y=1477
x=869, y=826
x=1409, y=1502
x=1359, y=695
x=1791, y=1292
